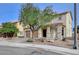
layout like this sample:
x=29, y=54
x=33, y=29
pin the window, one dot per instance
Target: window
x=60, y=18
x=62, y=31
x=44, y=32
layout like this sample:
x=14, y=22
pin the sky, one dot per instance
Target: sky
x=9, y=12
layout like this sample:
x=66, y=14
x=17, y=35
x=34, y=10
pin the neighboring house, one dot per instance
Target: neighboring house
x=20, y=27
x=58, y=28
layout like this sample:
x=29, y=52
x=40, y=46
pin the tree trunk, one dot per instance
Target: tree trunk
x=32, y=34
x=24, y=34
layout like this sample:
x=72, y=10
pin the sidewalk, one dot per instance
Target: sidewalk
x=64, y=51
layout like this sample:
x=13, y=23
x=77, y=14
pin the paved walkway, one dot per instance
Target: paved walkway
x=64, y=51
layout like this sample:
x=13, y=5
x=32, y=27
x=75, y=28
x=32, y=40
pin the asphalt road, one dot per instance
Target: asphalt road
x=6, y=50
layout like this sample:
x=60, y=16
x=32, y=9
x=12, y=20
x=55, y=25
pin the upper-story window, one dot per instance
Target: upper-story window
x=60, y=18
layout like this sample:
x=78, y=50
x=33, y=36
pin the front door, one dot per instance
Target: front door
x=44, y=32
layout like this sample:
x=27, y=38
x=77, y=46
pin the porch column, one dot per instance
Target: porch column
x=48, y=32
x=59, y=32
x=40, y=33
x=53, y=34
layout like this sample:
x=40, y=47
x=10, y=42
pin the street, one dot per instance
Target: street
x=6, y=50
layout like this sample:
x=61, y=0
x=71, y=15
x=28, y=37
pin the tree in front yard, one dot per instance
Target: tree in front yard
x=36, y=18
x=8, y=29
x=29, y=16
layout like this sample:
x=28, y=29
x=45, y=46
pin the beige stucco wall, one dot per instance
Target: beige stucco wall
x=48, y=32
x=53, y=33
x=68, y=25
x=40, y=33
x=21, y=30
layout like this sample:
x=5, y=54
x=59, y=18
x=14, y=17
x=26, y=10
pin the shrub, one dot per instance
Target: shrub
x=29, y=40
x=8, y=29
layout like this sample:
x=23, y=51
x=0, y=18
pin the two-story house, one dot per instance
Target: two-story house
x=58, y=28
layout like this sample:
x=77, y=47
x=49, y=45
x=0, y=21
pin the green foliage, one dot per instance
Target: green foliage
x=0, y=30
x=8, y=28
x=29, y=40
x=46, y=16
x=29, y=15
x=36, y=18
